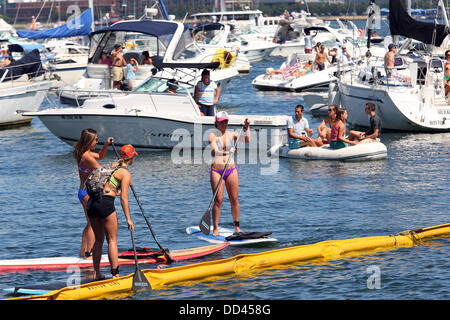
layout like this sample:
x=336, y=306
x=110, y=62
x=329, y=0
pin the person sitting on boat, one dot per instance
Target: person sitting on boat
x=104, y=59
x=323, y=130
x=389, y=64
x=172, y=86
x=342, y=56
x=206, y=94
x=338, y=128
x=146, y=58
x=118, y=62
x=6, y=62
x=321, y=57
x=222, y=143
x=299, y=133
x=302, y=70
x=447, y=73
x=374, y=131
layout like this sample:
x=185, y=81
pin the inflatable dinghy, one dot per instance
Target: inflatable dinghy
x=359, y=152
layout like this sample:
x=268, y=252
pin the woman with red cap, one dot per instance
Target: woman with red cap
x=103, y=214
x=222, y=144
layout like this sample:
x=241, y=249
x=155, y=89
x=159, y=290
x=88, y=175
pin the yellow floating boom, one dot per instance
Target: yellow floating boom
x=158, y=278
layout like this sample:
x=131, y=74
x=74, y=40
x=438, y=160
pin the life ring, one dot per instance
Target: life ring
x=224, y=57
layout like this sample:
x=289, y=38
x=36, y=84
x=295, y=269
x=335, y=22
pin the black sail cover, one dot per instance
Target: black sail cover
x=401, y=23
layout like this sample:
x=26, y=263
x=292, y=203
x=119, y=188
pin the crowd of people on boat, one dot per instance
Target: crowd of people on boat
x=332, y=129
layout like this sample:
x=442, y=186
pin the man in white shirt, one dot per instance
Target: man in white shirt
x=308, y=41
x=299, y=133
x=343, y=56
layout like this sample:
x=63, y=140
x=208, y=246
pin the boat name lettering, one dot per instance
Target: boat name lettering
x=71, y=117
x=263, y=122
x=437, y=122
x=170, y=135
x=443, y=111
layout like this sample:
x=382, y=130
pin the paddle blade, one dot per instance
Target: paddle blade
x=140, y=282
x=205, y=222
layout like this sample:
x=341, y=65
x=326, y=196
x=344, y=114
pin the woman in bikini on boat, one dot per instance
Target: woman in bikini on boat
x=87, y=161
x=222, y=146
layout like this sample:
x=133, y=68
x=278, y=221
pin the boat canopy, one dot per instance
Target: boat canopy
x=78, y=26
x=30, y=64
x=401, y=23
x=154, y=28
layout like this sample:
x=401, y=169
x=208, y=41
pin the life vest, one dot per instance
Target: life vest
x=224, y=57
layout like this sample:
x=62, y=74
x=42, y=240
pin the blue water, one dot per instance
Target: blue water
x=303, y=203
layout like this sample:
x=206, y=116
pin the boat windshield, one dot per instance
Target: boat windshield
x=131, y=41
x=161, y=85
x=186, y=47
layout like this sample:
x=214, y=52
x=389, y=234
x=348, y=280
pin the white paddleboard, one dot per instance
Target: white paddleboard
x=223, y=233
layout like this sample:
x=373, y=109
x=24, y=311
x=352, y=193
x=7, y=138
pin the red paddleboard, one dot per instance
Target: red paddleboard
x=145, y=255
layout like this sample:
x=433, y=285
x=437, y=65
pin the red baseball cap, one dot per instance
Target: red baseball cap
x=127, y=151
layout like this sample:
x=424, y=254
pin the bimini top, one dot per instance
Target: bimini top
x=154, y=28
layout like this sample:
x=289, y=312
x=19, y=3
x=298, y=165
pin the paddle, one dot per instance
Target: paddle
x=169, y=259
x=205, y=221
x=140, y=282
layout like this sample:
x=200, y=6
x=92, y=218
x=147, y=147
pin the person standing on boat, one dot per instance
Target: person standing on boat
x=222, y=146
x=447, y=73
x=103, y=215
x=206, y=94
x=118, y=62
x=87, y=161
x=342, y=56
x=309, y=41
x=374, y=131
x=321, y=57
x=131, y=73
x=299, y=133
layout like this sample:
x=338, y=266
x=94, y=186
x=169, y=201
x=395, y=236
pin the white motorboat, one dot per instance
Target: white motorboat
x=212, y=37
x=166, y=41
x=312, y=80
x=67, y=59
x=151, y=118
x=22, y=89
x=359, y=152
x=217, y=35
x=318, y=102
x=410, y=97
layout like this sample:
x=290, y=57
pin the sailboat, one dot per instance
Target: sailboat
x=413, y=97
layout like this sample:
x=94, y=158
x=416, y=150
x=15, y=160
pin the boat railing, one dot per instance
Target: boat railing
x=102, y=94
x=10, y=77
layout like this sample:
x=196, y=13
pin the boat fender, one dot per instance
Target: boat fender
x=224, y=57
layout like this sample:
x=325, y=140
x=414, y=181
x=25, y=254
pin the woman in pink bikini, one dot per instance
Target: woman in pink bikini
x=222, y=146
x=88, y=161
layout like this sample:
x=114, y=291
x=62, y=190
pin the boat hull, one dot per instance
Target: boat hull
x=360, y=152
x=399, y=110
x=15, y=100
x=157, y=132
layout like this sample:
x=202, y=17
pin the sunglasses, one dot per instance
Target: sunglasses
x=330, y=110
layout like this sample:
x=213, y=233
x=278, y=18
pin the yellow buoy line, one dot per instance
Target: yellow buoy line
x=158, y=278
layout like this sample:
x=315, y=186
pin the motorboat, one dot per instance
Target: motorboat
x=67, y=59
x=360, y=152
x=165, y=41
x=318, y=102
x=151, y=118
x=285, y=80
x=411, y=95
x=212, y=35
x=22, y=89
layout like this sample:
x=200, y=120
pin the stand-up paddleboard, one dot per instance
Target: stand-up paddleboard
x=235, y=239
x=145, y=256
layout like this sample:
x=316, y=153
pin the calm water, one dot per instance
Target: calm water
x=303, y=203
